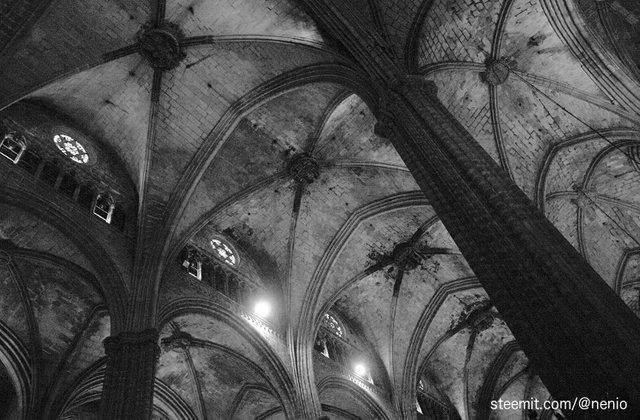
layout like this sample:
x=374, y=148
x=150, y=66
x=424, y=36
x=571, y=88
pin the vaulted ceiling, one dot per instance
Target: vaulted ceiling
x=210, y=146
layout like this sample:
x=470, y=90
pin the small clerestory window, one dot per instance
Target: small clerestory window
x=12, y=147
x=103, y=207
x=192, y=262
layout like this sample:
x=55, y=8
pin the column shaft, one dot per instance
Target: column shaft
x=579, y=336
x=127, y=393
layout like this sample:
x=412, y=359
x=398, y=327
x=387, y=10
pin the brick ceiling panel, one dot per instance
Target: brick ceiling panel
x=445, y=317
x=13, y=310
x=419, y=288
x=368, y=302
x=486, y=347
x=173, y=369
x=398, y=18
x=458, y=364
x=464, y=95
x=212, y=78
x=457, y=30
x=89, y=349
x=631, y=297
x=235, y=68
x=342, y=399
x=293, y=118
x=615, y=23
x=24, y=230
x=631, y=269
x=356, y=305
x=62, y=301
x=353, y=120
x=570, y=164
x=262, y=146
x=248, y=158
x=16, y=15
x=71, y=33
x=112, y=102
x=515, y=390
x=617, y=177
x=305, y=236
x=326, y=207
x=532, y=122
x=259, y=224
x=255, y=403
x=214, y=330
x=446, y=370
x=530, y=40
x=515, y=364
x=271, y=18
x=608, y=231
x=562, y=213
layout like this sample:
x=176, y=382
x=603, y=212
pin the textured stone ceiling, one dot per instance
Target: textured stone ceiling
x=213, y=141
x=51, y=307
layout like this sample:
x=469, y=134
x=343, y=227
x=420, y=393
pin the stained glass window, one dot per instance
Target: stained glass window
x=224, y=252
x=332, y=324
x=71, y=148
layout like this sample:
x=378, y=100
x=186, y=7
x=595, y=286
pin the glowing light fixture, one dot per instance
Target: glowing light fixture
x=360, y=369
x=262, y=309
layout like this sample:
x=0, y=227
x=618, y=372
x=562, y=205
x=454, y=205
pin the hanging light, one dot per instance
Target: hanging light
x=262, y=309
x=360, y=369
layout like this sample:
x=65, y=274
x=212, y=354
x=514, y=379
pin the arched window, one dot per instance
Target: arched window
x=103, y=207
x=12, y=147
x=224, y=252
x=326, y=342
x=192, y=262
x=320, y=345
x=331, y=323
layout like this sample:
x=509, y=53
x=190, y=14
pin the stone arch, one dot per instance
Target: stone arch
x=241, y=336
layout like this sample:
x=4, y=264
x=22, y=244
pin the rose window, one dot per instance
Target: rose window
x=224, y=252
x=71, y=148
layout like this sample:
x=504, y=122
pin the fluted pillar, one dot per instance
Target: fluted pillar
x=127, y=393
x=576, y=332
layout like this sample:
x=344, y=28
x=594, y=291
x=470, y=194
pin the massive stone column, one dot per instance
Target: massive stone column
x=127, y=393
x=576, y=332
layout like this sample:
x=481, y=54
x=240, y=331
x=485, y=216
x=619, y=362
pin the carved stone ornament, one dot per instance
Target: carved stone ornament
x=304, y=168
x=583, y=196
x=161, y=45
x=496, y=71
x=128, y=338
x=405, y=256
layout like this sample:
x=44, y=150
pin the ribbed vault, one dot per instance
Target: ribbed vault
x=250, y=124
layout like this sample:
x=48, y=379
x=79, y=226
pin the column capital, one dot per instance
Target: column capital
x=415, y=82
x=127, y=391
x=400, y=88
x=116, y=342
